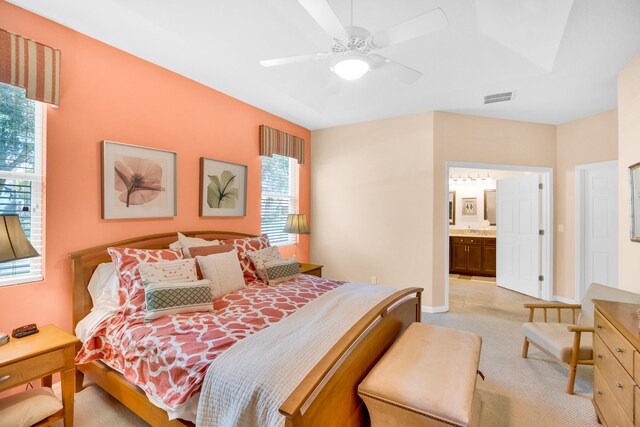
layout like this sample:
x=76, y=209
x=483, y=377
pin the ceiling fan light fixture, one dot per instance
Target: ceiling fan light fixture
x=351, y=68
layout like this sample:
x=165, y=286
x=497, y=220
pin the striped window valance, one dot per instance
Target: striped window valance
x=31, y=66
x=273, y=141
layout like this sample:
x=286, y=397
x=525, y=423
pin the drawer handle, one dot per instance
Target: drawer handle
x=619, y=385
x=6, y=377
x=598, y=391
x=618, y=350
x=598, y=326
x=599, y=356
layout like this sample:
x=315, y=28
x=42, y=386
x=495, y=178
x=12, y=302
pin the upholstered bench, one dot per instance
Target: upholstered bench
x=427, y=378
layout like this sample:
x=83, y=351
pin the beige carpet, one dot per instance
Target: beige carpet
x=516, y=392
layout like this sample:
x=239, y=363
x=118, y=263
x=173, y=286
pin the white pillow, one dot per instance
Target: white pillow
x=103, y=287
x=28, y=407
x=180, y=270
x=185, y=243
x=224, y=272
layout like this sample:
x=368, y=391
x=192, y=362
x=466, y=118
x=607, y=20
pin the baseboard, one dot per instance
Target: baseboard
x=437, y=309
x=564, y=300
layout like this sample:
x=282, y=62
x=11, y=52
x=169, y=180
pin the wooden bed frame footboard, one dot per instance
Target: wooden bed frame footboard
x=328, y=394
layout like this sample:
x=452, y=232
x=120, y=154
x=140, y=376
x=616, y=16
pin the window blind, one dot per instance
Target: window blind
x=279, y=197
x=21, y=158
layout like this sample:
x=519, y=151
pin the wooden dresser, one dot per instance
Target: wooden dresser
x=472, y=255
x=616, y=351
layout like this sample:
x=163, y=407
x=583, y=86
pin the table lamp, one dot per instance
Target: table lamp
x=297, y=224
x=14, y=244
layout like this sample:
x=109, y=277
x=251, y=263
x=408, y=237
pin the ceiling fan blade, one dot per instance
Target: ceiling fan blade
x=403, y=73
x=326, y=18
x=293, y=59
x=428, y=22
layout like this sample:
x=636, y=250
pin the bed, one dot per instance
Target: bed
x=328, y=393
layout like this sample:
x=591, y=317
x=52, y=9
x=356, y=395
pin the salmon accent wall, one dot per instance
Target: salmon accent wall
x=109, y=94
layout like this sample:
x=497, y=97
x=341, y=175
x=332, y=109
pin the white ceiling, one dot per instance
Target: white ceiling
x=561, y=57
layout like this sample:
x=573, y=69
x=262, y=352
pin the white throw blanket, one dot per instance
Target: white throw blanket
x=247, y=384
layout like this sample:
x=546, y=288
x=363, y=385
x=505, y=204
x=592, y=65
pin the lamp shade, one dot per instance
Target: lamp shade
x=297, y=224
x=14, y=244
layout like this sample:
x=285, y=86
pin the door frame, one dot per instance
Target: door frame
x=581, y=174
x=546, y=218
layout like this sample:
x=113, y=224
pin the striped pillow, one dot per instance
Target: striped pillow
x=278, y=271
x=168, y=298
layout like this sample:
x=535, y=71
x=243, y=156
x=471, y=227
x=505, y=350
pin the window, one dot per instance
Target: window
x=279, y=197
x=21, y=176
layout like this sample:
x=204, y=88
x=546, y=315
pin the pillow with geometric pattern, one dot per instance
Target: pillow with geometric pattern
x=168, y=298
x=279, y=271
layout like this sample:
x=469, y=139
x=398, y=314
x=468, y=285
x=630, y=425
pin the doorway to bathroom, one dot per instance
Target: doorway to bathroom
x=499, y=227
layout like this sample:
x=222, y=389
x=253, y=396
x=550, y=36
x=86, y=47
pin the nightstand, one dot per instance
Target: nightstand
x=39, y=356
x=313, y=269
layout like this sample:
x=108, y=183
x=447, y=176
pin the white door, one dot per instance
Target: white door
x=518, y=234
x=598, y=204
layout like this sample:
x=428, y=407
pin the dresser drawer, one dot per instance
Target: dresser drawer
x=30, y=369
x=619, y=346
x=467, y=240
x=618, y=380
x=606, y=402
x=636, y=367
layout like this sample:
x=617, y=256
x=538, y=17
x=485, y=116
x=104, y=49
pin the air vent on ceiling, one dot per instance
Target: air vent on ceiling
x=498, y=97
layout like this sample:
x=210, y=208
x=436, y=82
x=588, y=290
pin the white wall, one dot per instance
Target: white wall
x=372, y=201
x=628, y=154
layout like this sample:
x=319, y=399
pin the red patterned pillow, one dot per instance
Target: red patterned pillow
x=126, y=262
x=245, y=245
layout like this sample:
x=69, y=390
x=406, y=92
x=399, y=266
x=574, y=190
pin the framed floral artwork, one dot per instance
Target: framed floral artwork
x=138, y=182
x=223, y=188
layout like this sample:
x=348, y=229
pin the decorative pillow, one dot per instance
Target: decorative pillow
x=258, y=258
x=223, y=271
x=278, y=271
x=245, y=245
x=127, y=261
x=103, y=287
x=28, y=407
x=167, y=298
x=186, y=243
x=181, y=270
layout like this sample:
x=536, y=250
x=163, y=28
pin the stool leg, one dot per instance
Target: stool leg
x=525, y=348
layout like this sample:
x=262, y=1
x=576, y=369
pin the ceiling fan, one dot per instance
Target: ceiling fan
x=352, y=54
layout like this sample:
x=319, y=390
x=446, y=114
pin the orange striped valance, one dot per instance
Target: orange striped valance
x=273, y=141
x=31, y=66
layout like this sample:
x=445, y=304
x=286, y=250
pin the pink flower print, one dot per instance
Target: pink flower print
x=138, y=180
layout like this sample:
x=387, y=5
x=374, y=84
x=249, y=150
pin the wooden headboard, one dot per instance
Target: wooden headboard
x=85, y=261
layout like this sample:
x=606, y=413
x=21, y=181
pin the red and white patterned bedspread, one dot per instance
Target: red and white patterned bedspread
x=168, y=357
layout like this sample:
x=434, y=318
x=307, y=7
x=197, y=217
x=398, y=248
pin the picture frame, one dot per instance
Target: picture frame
x=634, y=200
x=452, y=208
x=490, y=206
x=223, y=188
x=469, y=206
x=138, y=182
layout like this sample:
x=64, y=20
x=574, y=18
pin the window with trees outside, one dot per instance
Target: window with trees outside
x=279, y=197
x=21, y=176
